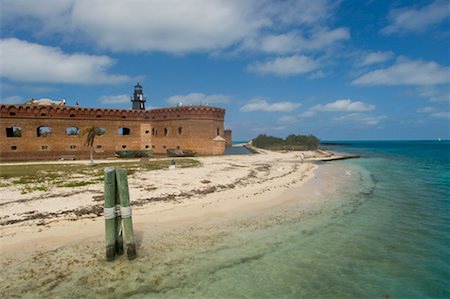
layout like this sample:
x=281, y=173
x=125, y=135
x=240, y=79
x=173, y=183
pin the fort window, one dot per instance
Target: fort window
x=166, y=131
x=13, y=147
x=44, y=147
x=147, y=117
x=14, y=131
x=123, y=116
x=43, y=114
x=178, y=147
x=99, y=146
x=153, y=146
x=218, y=131
x=164, y=146
x=147, y=146
x=124, y=131
x=72, y=115
x=99, y=116
x=72, y=131
x=180, y=130
x=12, y=113
x=43, y=131
x=124, y=146
x=146, y=132
x=73, y=146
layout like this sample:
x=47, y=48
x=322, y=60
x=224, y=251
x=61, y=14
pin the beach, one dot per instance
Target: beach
x=220, y=194
x=254, y=226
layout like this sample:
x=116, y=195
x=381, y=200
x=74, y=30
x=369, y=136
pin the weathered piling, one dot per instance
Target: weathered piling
x=110, y=213
x=119, y=232
x=125, y=211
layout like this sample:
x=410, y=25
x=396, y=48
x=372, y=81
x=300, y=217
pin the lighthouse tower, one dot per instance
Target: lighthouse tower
x=138, y=99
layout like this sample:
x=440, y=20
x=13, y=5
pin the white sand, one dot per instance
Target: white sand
x=222, y=189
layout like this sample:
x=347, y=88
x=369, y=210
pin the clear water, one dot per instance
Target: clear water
x=383, y=233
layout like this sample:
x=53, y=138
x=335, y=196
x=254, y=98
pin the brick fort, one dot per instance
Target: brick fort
x=46, y=131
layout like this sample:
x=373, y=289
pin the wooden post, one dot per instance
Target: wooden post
x=125, y=211
x=119, y=233
x=110, y=213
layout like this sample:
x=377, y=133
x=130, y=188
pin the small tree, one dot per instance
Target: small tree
x=91, y=133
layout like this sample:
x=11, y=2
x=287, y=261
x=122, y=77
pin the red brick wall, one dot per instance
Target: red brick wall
x=199, y=126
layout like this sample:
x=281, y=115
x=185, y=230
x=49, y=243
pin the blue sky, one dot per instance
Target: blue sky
x=336, y=69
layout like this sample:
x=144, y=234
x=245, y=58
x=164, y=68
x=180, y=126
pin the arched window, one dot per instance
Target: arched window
x=180, y=130
x=14, y=131
x=218, y=131
x=43, y=131
x=166, y=131
x=72, y=131
x=123, y=131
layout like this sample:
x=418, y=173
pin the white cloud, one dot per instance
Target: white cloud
x=294, y=41
x=407, y=72
x=425, y=110
x=317, y=75
x=376, y=57
x=259, y=104
x=417, y=19
x=358, y=117
x=197, y=98
x=117, y=99
x=29, y=62
x=435, y=94
x=343, y=105
x=435, y=112
x=308, y=113
x=176, y=26
x=285, y=66
x=13, y=100
x=287, y=120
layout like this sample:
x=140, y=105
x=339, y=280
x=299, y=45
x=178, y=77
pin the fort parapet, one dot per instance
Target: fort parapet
x=33, y=132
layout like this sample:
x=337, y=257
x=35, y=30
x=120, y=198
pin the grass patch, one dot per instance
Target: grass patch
x=3, y=185
x=28, y=189
x=76, y=184
x=67, y=175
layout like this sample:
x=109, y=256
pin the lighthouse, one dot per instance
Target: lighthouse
x=138, y=98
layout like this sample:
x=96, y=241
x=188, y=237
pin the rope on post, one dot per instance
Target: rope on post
x=117, y=211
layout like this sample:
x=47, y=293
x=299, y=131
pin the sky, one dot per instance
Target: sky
x=341, y=70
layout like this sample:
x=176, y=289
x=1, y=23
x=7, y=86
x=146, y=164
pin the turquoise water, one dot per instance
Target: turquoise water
x=386, y=235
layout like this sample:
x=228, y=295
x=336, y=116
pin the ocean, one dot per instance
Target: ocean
x=385, y=234
x=382, y=230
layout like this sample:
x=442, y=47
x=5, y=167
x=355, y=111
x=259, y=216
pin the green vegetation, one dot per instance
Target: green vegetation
x=77, y=183
x=43, y=177
x=28, y=189
x=292, y=142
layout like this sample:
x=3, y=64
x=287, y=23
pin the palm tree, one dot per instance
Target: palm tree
x=90, y=133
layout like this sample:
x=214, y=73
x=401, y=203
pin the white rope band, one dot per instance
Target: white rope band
x=110, y=213
x=125, y=212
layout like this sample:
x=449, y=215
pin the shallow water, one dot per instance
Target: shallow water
x=383, y=232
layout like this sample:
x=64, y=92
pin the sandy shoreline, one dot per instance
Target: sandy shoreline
x=221, y=192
